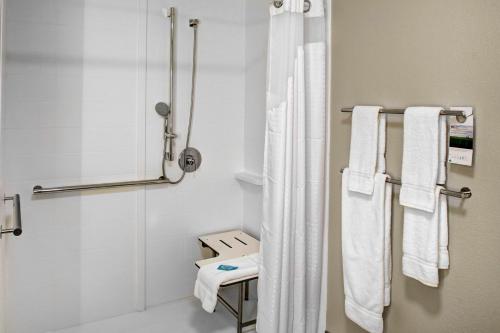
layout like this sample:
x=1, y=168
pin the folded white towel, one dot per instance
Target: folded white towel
x=366, y=252
x=210, y=278
x=425, y=242
x=443, y=150
x=421, y=160
x=367, y=145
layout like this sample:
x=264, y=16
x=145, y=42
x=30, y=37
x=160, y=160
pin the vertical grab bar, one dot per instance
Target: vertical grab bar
x=17, y=228
x=170, y=135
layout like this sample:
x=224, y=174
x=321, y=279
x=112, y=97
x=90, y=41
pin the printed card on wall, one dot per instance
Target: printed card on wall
x=461, y=150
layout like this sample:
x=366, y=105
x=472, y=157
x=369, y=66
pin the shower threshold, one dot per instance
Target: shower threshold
x=185, y=315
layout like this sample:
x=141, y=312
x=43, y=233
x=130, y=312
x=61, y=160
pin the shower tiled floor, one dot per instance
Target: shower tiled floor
x=183, y=316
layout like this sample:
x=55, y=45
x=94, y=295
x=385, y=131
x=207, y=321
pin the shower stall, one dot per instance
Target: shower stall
x=128, y=129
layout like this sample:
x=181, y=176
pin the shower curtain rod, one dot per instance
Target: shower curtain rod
x=307, y=4
x=464, y=193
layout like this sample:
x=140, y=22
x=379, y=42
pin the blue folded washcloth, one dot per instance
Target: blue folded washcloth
x=227, y=268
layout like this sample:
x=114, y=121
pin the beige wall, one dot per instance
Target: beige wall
x=443, y=52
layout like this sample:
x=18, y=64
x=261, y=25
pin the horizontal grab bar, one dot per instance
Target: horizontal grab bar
x=17, y=228
x=464, y=193
x=38, y=189
x=461, y=116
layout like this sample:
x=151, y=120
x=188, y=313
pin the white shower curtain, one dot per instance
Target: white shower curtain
x=292, y=278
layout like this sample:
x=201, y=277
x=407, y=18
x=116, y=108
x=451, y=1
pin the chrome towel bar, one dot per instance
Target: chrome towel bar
x=38, y=189
x=307, y=4
x=461, y=117
x=17, y=228
x=464, y=193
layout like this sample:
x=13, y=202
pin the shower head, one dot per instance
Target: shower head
x=163, y=109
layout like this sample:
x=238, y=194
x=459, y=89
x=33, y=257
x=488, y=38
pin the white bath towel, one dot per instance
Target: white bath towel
x=210, y=278
x=365, y=132
x=366, y=252
x=425, y=241
x=421, y=160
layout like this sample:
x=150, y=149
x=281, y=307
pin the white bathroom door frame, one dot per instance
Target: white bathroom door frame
x=2, y=242
x=140, y=246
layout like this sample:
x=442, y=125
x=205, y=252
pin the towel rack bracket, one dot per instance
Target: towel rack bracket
x=461, y=118
x=466, y=192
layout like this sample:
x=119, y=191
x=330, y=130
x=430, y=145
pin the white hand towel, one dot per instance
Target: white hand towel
x=425, y=241
x=366, y=252
x=210, y=278
x=421, y=159
x=365, y=139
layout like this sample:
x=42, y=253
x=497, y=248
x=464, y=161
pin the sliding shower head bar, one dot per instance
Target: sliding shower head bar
x=168, y=12
x=168, y=148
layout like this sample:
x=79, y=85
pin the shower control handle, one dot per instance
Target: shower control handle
x=190, y=160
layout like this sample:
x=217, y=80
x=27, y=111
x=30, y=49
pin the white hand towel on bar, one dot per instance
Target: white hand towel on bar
x=366, y=252
x=421, y=157
x=210, y=278
x=425, y=236
x=425, y=241
x=367, y=153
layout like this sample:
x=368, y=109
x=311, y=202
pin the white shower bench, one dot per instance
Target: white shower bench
x=231, y=245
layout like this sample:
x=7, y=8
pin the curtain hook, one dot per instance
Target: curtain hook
x=307, y=6
x=278, y=3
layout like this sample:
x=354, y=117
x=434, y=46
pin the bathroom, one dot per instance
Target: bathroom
x=100, y=92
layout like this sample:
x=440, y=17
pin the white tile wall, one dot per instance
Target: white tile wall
x=209, y=200
x=70, y=116
x=257, y=25
x=73, y=113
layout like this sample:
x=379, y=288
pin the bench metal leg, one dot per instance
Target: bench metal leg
x=238, y=312
x=240, y=307
x=247, y=287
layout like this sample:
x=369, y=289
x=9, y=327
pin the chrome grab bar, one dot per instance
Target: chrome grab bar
x=38, y=189
x=17, y=228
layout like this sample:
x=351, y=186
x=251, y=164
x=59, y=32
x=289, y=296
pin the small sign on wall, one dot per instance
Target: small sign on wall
x=461, y=142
